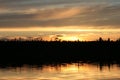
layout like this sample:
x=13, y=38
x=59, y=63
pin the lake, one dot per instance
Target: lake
x=63, y=71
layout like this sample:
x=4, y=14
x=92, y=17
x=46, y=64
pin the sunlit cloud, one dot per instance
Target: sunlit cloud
x=59, y=13
x=30, y=13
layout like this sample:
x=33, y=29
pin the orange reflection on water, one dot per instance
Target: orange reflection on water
x=73, y=71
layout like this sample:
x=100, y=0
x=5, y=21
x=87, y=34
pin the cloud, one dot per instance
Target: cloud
x=27, y=4
x=34, y=17
x=38, y=14
x=58, y=13
x=96, y=16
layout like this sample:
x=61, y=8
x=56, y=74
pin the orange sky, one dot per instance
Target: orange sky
x=64, y=33
x=98, y=18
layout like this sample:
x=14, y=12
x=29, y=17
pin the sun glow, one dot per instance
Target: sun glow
x=72, y=33
x=70, y=38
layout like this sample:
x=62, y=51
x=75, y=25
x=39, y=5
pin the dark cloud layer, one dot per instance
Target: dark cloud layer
x=58, y=13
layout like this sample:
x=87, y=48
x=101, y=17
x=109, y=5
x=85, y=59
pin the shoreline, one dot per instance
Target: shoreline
x=37, y=52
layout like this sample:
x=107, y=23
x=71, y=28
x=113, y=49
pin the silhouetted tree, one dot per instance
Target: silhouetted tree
x=57, y=39
x=108, y=40
x=100, y=39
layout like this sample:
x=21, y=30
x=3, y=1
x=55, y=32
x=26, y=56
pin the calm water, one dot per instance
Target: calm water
x=73, y=71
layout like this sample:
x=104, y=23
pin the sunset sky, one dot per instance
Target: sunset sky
x=83, y=19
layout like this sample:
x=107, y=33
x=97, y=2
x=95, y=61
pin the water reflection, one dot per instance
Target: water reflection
x=72, y=71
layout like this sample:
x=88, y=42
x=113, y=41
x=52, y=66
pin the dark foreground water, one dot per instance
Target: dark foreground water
x=100, y=60
x=64, y=71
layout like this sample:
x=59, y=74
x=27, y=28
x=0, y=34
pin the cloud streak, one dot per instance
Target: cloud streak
x=59, y=13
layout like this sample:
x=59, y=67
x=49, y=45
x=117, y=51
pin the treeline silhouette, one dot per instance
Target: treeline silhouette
x=38, y=52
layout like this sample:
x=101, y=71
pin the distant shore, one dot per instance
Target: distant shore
x=35, y=52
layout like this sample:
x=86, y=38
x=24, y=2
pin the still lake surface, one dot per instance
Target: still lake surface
x=64, y=71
